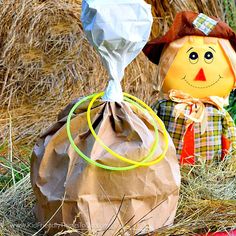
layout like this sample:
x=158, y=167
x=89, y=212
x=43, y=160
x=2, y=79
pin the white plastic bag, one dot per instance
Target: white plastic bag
x=118, y=29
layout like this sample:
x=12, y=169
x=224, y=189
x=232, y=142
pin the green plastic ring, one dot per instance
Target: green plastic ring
x=86, y=158
x=82, y=154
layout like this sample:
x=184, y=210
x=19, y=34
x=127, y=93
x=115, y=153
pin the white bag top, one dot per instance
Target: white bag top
x=118, y=29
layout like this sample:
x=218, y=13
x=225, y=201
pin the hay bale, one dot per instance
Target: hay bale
x=46, y=62
x=43, y=49
x=30, y=118
x=165, y=11
x=43, y=45
x=207, y=203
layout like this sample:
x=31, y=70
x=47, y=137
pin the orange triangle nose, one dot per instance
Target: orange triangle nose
x=200, y=76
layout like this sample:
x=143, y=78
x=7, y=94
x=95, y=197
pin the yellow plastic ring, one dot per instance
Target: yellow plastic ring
x=81, y=154
x=155, y=143
x=151, y=112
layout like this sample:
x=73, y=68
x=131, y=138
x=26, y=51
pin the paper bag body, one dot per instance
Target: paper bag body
x=90, y=199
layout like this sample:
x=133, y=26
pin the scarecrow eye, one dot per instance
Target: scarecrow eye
x=208, y=57
x=193, y=57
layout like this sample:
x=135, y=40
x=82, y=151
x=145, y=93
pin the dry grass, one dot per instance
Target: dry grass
x=16, y=212
x=208, y=202
x=208, y=199
x=45, y=62
x=43, y=50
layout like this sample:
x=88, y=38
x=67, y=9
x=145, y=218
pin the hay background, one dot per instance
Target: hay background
x=45, y=62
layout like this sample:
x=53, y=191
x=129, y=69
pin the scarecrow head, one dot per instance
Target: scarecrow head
x=196, y=56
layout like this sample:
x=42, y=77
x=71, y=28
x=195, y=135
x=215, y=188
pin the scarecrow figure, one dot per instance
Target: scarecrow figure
x=197, y=72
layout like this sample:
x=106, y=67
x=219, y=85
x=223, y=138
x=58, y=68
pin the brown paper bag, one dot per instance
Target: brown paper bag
x=73, y=194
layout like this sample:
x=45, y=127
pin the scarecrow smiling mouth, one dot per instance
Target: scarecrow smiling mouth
x=201, y=77
x=202, y=87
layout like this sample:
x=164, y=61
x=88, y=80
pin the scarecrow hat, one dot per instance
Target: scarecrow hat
x=189, y=23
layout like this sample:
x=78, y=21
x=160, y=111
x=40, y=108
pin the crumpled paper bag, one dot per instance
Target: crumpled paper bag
x=71, y=193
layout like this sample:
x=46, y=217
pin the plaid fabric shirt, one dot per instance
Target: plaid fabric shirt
x=209, y=144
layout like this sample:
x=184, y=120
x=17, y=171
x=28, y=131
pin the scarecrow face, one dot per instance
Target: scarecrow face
x=200, y=69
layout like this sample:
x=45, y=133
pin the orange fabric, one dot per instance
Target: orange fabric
x=226, y=143
x=187, y=156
